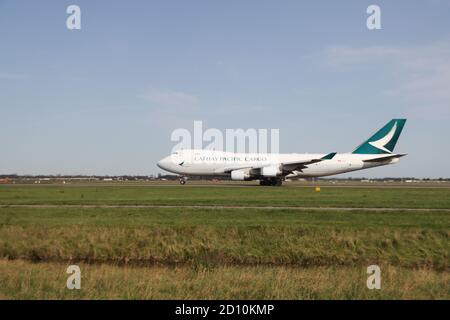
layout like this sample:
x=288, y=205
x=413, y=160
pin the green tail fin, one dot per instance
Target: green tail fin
x=384, y=140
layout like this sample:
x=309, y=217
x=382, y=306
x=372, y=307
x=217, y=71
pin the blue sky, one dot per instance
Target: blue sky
x=105, y=99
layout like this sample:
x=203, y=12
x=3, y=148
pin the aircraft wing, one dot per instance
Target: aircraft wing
x=288, y=167
x=381, y=159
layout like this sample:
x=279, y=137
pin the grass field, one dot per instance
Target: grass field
x=227, y=195
x=205, y=253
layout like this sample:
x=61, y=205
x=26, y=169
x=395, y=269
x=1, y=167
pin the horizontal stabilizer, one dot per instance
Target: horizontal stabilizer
x=381, y=159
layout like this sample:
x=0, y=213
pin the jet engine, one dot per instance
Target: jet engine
x=271, y=171
x=240, y=175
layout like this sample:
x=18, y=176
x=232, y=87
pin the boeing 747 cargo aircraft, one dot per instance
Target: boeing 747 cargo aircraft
x=271, y=169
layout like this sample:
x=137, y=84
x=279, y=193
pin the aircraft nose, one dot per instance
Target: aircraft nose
x=162, y=163
x=165, y=163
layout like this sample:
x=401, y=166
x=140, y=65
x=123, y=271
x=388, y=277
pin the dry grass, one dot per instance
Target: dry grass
x=210, y=246
x=26, y=280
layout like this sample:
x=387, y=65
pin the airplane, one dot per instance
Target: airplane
x=271, y=169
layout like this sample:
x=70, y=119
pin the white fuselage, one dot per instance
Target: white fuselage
x=210, y=162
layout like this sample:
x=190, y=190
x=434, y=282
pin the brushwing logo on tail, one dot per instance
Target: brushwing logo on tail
x=380, y=144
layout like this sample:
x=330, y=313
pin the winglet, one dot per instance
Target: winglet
x=328, y=156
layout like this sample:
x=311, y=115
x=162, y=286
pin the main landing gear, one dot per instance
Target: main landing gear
x=270, y=182
x=183, y=180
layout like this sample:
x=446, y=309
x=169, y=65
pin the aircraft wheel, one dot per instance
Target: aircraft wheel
x=275, y=182
x=182, y=181
x=270, y=182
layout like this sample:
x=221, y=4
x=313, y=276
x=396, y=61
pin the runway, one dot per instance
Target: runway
x=231, y=184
